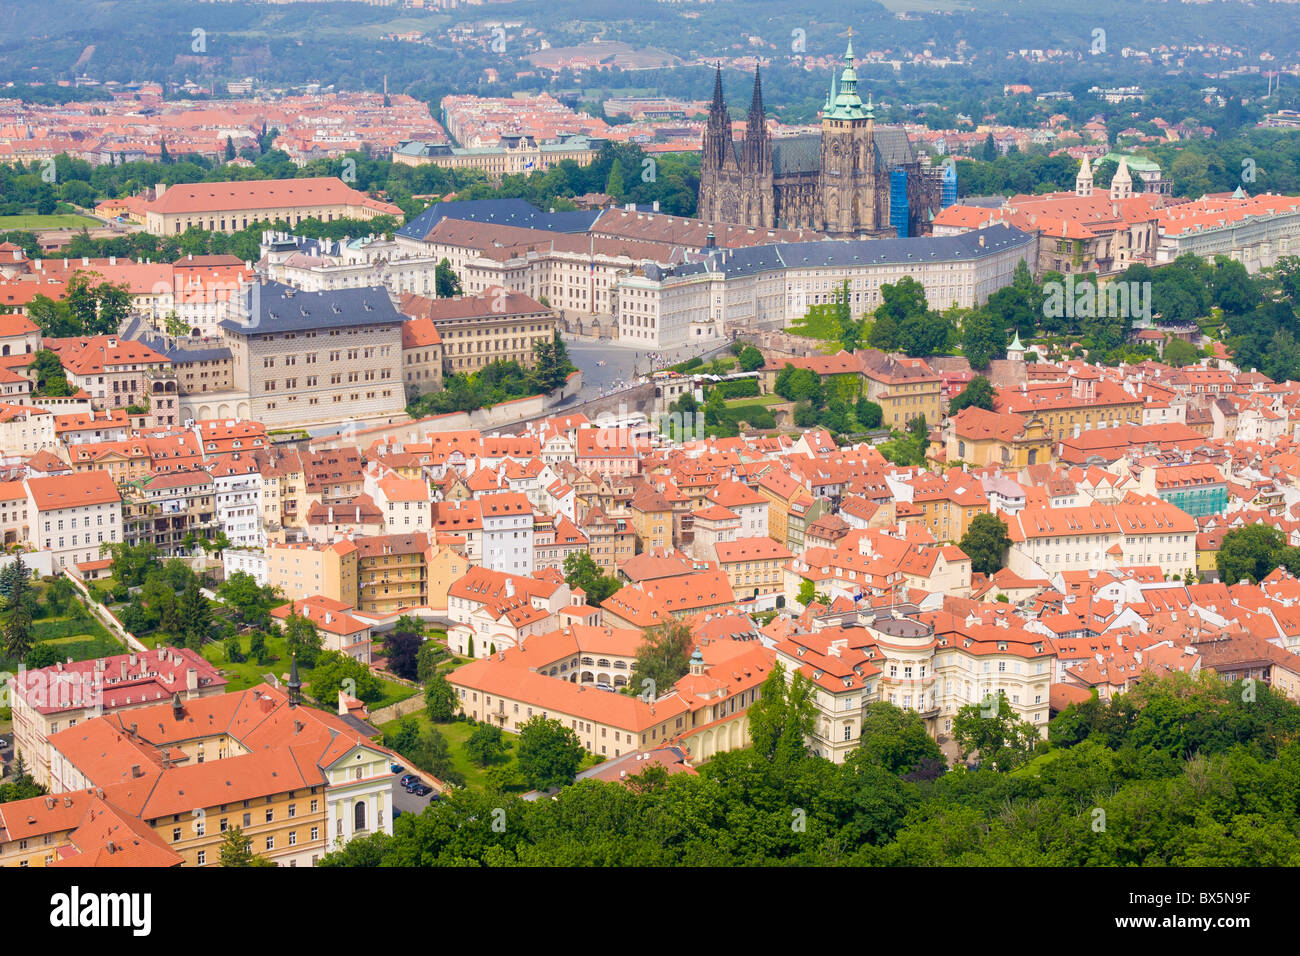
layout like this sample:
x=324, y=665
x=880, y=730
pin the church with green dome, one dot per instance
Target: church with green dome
x=853, y=179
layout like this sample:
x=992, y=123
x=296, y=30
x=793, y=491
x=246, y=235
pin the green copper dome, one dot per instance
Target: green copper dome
x=844, y=102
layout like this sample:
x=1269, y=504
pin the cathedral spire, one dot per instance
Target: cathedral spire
x=756, y=102
x=757, y=144
x=717, y=89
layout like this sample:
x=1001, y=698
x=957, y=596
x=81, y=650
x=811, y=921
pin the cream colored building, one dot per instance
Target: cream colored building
x=232, y=206
x=1046, y=540
x=476, y=330
x=515, y=156
x=307, y=357
x=767, y=287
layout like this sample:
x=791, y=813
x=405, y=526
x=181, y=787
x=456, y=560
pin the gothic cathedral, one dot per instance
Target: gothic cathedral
x=851, y=180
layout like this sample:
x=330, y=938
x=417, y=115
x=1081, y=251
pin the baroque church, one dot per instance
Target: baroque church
x=852, y=180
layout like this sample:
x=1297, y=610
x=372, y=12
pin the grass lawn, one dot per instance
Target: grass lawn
x=67, y=221
x=457, y=733
x=84, y=647
x=246, y=674
x=80, y=639
x=770, y=399
x=1035, y=767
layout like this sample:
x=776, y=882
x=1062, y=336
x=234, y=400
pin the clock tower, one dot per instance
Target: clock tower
x=849, y=203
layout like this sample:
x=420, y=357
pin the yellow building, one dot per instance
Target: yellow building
x=171, y=779
x=979, y=438
x=391, y=572
x=477, y=330
x=652, y=520
x=515, y=156
x=301, y=570
x=948, y=503
x=445, y=566
x=903, y=387
x=1083, y=402
x=753, y=566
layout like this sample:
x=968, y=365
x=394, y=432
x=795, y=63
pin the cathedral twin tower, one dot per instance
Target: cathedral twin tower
x=851, y=180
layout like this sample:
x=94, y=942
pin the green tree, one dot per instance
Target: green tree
x=402, y=649
x=51, y=381
x=751, y=359
x=902, y=300
x=983, y=338
x=548, y=752
x=334, y=672
x=985, y=543
x=131, y=562
x=992, y=729
x=486, y=745
x=663, y=657
x=440, y=699
x=249, y=601
x=18, y=639
x=868, y=413
x=427, y=749
x=302, y=638
x=430, y=655
x=1249, y=554
x=445, y=281
x=97, y=308
x=783, y=717
x=194, y=612
x=41, y=655
x=582, y=571
x=896, y=740
x=237, y=850
x=551, y=366
x=978, y=393
x=1179, y=353
x=800, y=385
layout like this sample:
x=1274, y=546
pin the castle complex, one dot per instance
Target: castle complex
x=851, y=180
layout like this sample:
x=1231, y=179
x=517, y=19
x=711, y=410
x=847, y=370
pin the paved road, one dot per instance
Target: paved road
x=623, y=364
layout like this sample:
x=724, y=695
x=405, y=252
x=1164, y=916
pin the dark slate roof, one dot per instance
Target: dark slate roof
x=276, y=307
x=176, y=349
x=753, y=260
x=507, y=212
x=797, y=154
x=892, y=147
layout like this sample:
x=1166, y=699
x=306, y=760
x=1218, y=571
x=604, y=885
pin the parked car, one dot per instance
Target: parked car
x=423, y=790
x=409, y=779
x=397, y=768
x=434, y=798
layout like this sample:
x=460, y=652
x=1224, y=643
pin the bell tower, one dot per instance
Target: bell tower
x=849, y=205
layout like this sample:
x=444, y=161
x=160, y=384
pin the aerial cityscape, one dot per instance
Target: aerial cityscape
x=693, y=433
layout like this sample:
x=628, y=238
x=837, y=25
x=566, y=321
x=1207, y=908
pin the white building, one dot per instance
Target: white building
x=250, y=562
x=237, y=484
x=768, y=286
x=72, y=516
x=507, y=532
